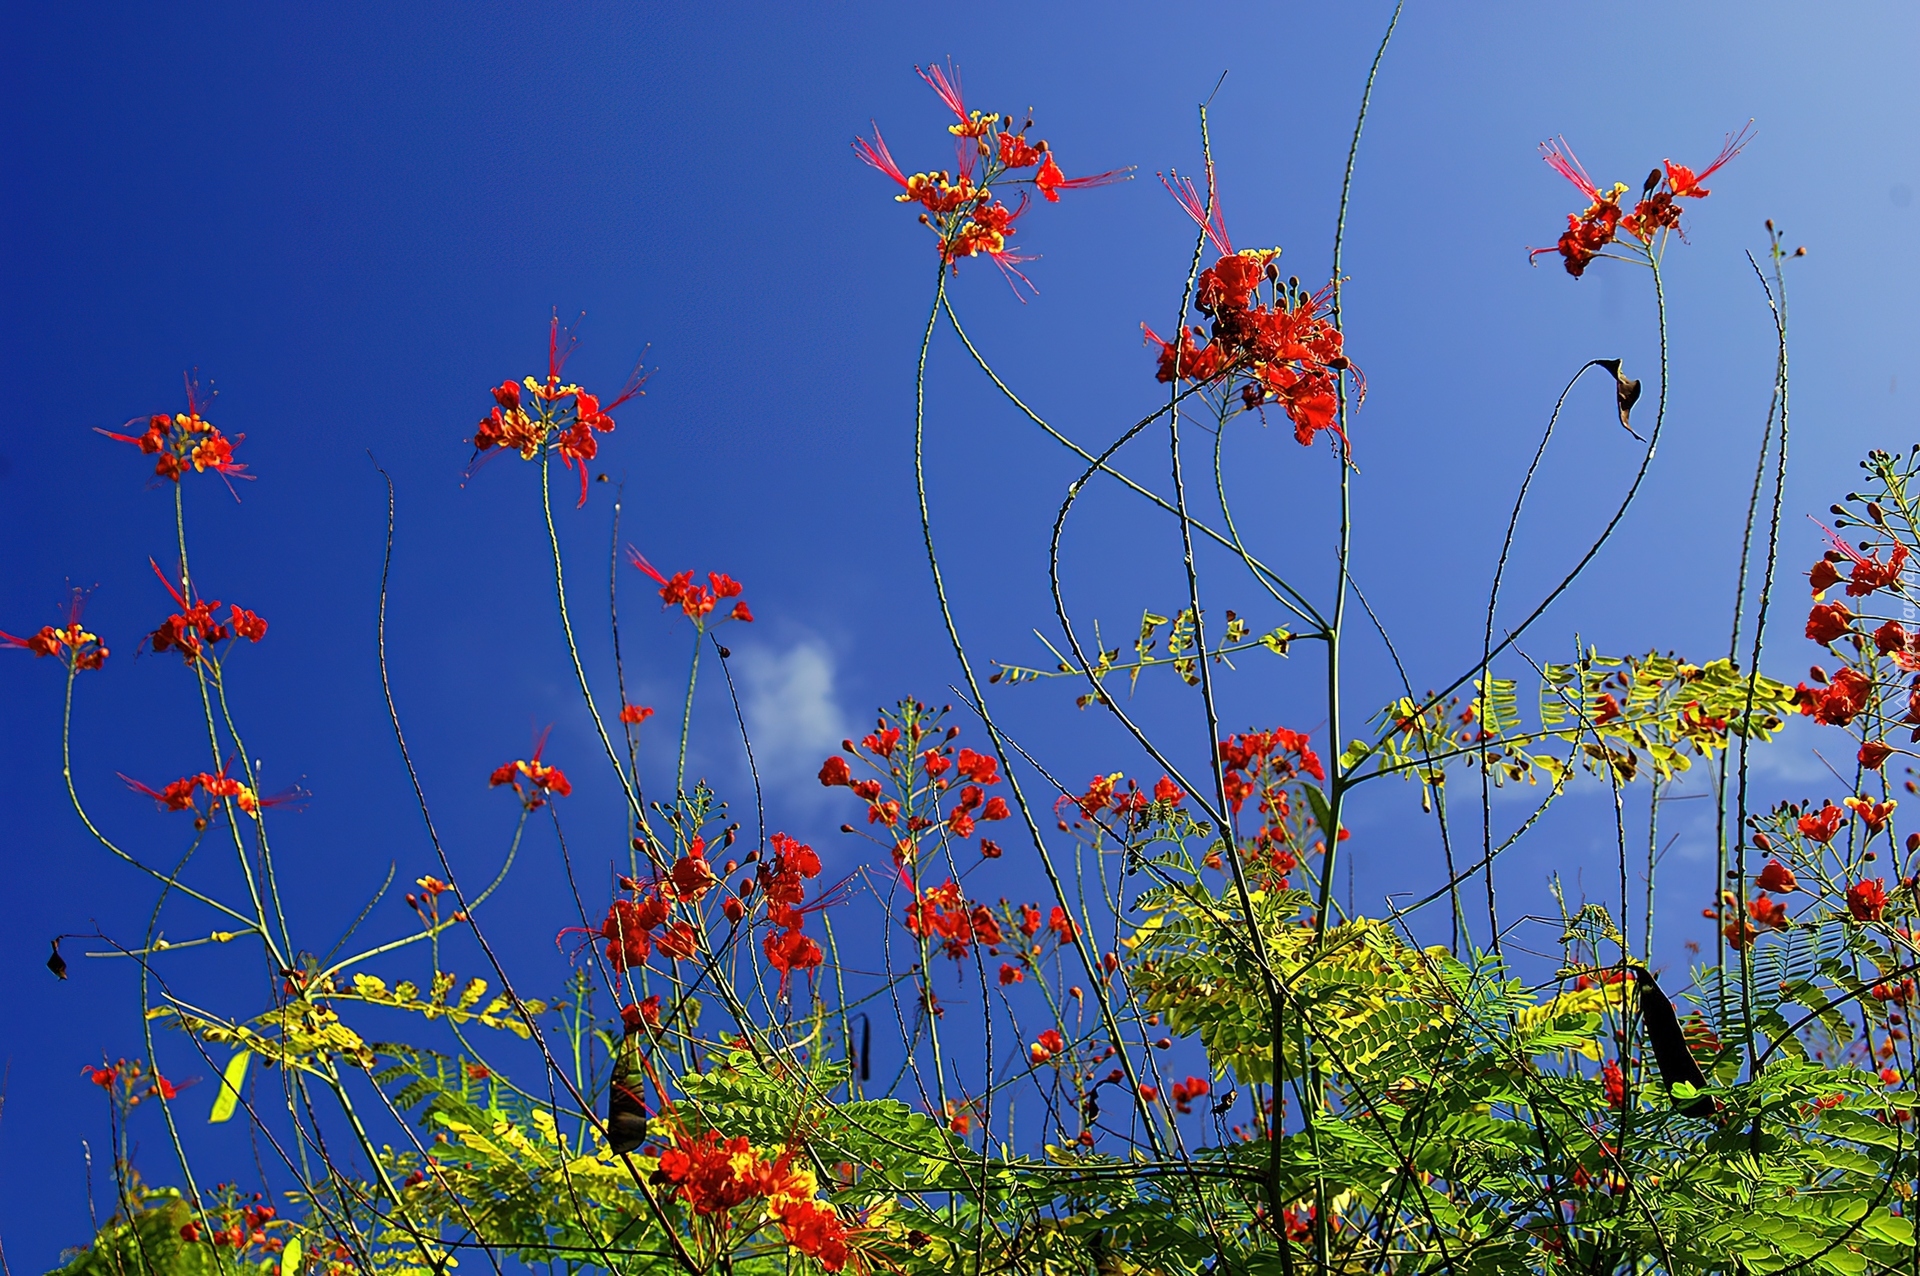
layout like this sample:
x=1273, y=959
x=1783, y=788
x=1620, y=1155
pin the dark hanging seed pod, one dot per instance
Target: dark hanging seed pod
x=1670, y=1052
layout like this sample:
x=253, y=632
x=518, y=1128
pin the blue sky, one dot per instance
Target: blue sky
x=352, y=221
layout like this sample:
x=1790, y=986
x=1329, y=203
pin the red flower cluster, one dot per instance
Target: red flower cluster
x=540, y=780
x=697, y=601
x=944, y=913
x=1899, y=993
x=193, y=629
x=1839, y=702
x=185, y=441
x=781, y=880
x=1867, y=573
x=715, y=1175
x=920, y=762
x=245, y=1227
x=179, y=795
x=1131, y=804
x=77, y=648
x=129, y=1081
x=1605, y=217
x=959, y=206
x=630, y=923
x=564, y=417
x=1265, y=763
x=1284, y=344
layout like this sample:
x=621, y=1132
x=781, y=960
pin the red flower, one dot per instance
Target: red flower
x=835, y=772
x=1822, y=576
x=102, y=1077
x=1867, y=899
x=1685, y=183
x=679, y=941
x=814, y=1228
x=1891, y=637
x=1011, y=974
x=632, y=714
x=982, y=768
x=995, y=809
x=990, y=849
x=1015, y=152
x=1823, y=825
x=714, y=1175
x=1869, y=573
x=959, y=823
x=1843, y=700
x=628, y=930
x=177, y=796
x=1873, y=754
x=79, y=649
x=1770, y=913
x=1872, y=814
x=1613, y=1084
x=1165, y=790
x=1776, y=877
x=1060, y=924
x=692, y=877
x=1828, y=621
x=542, y=780
x=1046, y=1046
x=246, y=623
x=1050, y=180
x=647, y=1013
x=1029, y=920
x=882, y=743
x=790, y=950
x=1185, y=1092
x=1149, y=1093
x=1587, y=232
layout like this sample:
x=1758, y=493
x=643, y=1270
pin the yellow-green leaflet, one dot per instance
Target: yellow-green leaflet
x=229, y=1097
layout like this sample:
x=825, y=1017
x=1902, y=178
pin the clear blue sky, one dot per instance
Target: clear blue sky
x=354, y=220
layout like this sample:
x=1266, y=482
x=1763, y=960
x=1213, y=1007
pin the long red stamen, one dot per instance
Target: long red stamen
x=947, y=85
x=1210, y=220
x=1561, y=158
x=636, y=383
x=639, y=560
x=876, y=155
x=169, y=585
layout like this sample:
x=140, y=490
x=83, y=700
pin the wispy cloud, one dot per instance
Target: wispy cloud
x=787, y=696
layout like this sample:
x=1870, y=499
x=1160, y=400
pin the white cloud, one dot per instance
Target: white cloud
x=792, y=715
